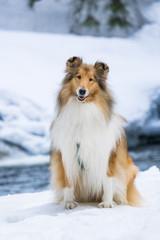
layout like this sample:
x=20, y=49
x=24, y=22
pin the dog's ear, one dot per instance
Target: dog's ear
x=101, y=69
x=73, y=63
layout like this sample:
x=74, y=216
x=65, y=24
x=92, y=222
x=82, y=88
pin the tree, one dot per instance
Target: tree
x=85, y=9
x=87, y=13
x=99, y=17
x=32, y=2
x=118, y=14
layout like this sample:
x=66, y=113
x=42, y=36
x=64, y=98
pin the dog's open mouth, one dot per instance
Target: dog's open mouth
x=81, y=98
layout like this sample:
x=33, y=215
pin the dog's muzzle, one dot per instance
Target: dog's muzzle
x=82, y=94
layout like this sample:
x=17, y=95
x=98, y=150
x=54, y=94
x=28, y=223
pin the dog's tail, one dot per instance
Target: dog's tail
x=133, y=196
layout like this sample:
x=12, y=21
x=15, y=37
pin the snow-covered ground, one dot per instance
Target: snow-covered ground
x=32, y=68
x=35, y=216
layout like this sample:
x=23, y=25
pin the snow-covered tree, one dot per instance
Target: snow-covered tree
x=84, y=13
x=118, y=14
x=104, y=17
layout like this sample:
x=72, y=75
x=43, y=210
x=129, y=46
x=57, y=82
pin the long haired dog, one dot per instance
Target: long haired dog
x=89, y=157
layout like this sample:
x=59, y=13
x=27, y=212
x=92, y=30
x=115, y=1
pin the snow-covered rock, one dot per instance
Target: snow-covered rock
x=35, y=216
x=23, y=124
x=147, y=129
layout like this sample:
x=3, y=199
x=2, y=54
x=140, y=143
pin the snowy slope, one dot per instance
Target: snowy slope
x=35, y=216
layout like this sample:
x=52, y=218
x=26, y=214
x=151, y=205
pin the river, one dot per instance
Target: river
x=35, y=178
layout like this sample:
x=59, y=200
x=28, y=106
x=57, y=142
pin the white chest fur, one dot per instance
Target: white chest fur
x=84, y=125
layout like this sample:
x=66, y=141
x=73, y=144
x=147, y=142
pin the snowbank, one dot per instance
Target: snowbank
x=24, y=160
x=147, y=129
x=34, y=216
x=23, y=124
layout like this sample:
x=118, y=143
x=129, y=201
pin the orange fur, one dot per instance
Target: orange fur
x=60, y=179
x=122, y=167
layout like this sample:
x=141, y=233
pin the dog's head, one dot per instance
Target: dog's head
x=83, y=80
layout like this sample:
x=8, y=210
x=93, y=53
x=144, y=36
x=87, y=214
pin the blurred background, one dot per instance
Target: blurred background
x=36, y=39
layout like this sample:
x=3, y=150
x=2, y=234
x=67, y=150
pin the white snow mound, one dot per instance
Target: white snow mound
x=24, y=123
x=35, y=216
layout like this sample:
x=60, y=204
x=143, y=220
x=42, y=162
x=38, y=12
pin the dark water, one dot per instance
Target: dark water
x=146, y=156
x=35, y=178
x=22, y=179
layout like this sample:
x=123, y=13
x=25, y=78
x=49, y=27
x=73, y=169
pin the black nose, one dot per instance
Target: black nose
x=82, y=91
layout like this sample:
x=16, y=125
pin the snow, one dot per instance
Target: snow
x=56, y=16
x=22, y=160
x=46, y=16
x=35, y=216
x=23, y=123
x=32, y=68
x=32, y=65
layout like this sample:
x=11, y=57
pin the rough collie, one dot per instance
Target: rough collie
x=89, y=158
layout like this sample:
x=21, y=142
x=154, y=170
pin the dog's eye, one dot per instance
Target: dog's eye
x=91, y=79
x=79, y=77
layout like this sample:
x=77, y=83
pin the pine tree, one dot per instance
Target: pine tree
x=118, y=14
x=83, y=13
x=89, y=14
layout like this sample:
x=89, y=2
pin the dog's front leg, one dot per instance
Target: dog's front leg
x=69, y=198
x=107, y=198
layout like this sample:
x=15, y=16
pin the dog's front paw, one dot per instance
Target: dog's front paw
x=106, y=204
x=70, y=205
